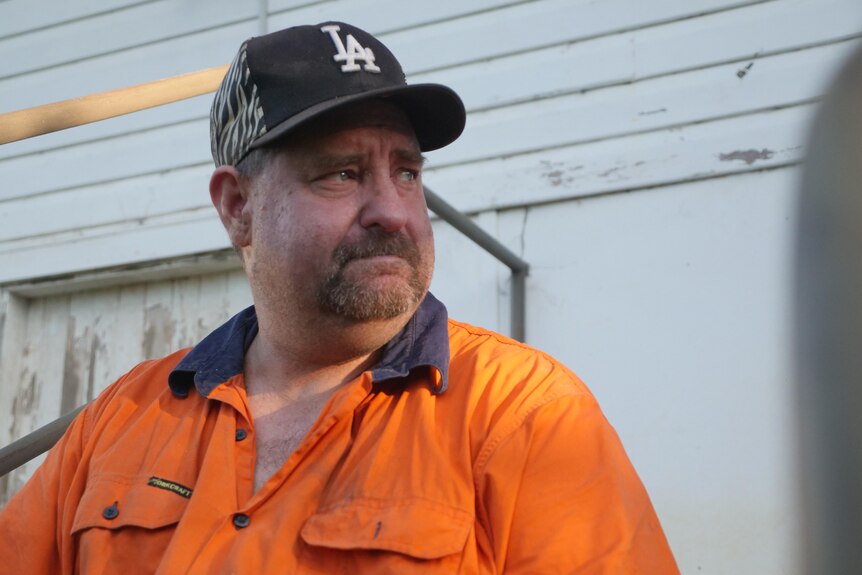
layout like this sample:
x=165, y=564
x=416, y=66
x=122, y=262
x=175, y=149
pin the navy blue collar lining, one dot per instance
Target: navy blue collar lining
x=423, y=342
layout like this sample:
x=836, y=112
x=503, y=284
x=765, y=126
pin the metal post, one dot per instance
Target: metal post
x=490, y=244
x=518, y=304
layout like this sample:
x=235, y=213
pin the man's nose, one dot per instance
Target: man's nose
x=384, y=204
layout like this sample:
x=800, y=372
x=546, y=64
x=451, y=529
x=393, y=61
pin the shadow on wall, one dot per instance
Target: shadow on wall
x=829, y=329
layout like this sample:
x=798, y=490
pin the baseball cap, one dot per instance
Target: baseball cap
x=284, y=79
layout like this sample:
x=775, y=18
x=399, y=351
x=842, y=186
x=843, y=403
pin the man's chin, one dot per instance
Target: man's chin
x=383, y=297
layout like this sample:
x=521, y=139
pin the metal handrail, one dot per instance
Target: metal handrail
x=35, y=443
x=492, y=245
x=71, y=113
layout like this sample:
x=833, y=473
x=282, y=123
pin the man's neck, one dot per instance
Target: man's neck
x=288, y=385
x=284, y=376
x=290, y=359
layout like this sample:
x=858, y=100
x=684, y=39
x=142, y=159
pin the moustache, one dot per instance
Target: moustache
x=378, y=244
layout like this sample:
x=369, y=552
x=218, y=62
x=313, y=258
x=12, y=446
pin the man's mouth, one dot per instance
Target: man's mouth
x=379, y=249
x=380, y=264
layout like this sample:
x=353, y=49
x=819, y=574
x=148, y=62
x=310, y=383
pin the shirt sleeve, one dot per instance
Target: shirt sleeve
x=36, y=521
x=559, y=495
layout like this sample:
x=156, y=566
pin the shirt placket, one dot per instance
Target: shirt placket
x=232, y=393
x=339, y=408
x=337, y=413
x=225, y=477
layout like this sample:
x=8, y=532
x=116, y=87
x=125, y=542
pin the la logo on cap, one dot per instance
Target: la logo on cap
x=351, y=53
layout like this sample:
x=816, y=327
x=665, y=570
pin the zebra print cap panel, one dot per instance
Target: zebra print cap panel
x=236, y=117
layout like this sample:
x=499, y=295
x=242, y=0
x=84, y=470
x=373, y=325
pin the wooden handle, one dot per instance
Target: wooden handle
x=40, y=120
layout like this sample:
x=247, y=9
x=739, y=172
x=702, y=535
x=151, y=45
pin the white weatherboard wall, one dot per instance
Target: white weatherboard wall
x=642, y=156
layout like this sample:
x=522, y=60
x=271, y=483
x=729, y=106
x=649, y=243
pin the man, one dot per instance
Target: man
x=342, y=424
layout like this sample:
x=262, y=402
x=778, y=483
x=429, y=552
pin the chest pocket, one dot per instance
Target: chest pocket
x=125, y=521
x=373, y=536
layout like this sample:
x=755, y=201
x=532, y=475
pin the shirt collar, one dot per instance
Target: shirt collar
x=423, y=342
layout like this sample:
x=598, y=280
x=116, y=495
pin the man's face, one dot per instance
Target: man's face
x=339, y=219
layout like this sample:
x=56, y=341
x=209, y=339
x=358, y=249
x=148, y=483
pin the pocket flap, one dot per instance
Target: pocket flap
x=115, y=502
x=419, y=528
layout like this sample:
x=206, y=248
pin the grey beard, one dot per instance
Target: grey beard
x=360, y=302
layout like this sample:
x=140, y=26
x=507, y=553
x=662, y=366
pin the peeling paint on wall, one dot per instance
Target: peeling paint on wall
x=71, y=371
x=559, y=174
x=2, y=319
x=95, y=346
x=159, y=329
x=747, y=156
x=652, y=112
x=26, y=399
x=743, y=71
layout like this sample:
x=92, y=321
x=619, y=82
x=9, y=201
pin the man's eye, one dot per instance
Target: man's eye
x=341, y=176
x=408, y=175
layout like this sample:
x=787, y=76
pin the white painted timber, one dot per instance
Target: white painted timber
x=669, y=48
x=13, y=329
x=19, y=16
x=750, y=32
x=676, y=100
x=80, y=251
x=282, y=5
x=566, y=68
x=645, y=160
x=115, y=31
x=159, y=332
x=694, y=152
x=532, y=25
x=775, y=143
x=674, y=307
x=179, y=55
x=136, y=199
x=171, y=147
x=71, y=346
x=39, y=389
x=377, y=16
x=122, y=324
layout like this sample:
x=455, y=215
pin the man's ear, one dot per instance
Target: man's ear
x=229, y=194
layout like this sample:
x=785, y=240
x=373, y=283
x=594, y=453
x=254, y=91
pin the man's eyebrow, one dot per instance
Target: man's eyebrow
x=410, y=155
x=325, y=162
x=322, y=163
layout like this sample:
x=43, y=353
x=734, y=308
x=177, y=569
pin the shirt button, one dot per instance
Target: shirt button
x=111, y=512
x=241, y=520
x=241, y=434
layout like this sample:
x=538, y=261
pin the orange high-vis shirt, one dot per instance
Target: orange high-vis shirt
x=462, y=451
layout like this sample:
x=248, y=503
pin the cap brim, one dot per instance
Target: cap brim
x=435, y=111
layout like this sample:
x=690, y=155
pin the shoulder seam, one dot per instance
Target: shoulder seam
x=499, y=438
x=499, y=338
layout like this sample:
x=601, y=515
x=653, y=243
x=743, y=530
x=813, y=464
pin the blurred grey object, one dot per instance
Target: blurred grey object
x=829, y=329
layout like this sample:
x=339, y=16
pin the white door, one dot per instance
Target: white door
x=59, y=351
